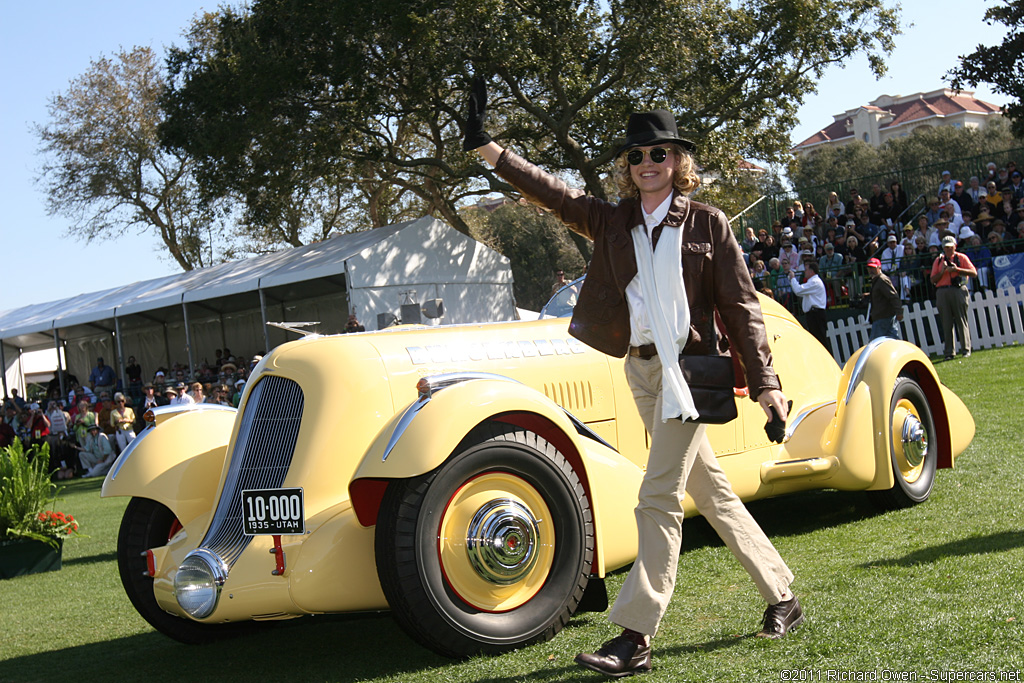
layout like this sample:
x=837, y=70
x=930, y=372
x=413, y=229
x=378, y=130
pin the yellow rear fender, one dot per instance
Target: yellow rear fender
x=863, y=403
x=177, y=463
x=425, y=434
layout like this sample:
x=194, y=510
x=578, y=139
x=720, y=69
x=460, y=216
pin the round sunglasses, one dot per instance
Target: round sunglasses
x=635, y=157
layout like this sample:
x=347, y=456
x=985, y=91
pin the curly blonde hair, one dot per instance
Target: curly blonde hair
x=685, y=178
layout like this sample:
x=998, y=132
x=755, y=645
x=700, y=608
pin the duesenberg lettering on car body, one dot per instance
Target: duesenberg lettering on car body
x=476, y=480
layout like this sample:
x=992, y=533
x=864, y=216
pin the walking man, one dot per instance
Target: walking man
x=886, y=306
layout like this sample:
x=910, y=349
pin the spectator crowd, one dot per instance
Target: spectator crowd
x=91, y=424
x=985, y=217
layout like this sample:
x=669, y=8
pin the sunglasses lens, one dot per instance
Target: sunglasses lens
x=635, y=157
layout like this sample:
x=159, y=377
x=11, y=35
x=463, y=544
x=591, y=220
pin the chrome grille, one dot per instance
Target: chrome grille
x=260, y=460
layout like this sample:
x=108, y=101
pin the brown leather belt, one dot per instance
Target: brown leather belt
x=647, y=351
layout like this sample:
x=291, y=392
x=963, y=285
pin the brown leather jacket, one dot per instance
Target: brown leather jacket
x=713, y=271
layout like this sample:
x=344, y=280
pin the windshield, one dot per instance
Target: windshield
x=564, y=300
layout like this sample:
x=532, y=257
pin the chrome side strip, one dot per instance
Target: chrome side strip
x=791, y=427
x=862, y=361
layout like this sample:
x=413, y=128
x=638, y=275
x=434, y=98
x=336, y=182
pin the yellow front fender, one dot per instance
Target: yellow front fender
x=866, y=388
x=178, y=463
x=428, y=431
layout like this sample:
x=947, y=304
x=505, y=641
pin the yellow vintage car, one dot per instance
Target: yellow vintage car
x=476, y=480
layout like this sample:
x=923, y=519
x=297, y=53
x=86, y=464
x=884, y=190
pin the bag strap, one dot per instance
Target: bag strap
x=739, y=379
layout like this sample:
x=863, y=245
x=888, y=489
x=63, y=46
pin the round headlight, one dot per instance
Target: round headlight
x=198, y=581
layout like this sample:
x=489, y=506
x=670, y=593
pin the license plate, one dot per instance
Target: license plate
x=273, y=511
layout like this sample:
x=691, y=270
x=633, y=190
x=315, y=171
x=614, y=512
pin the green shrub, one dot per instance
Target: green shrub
x=27, y=496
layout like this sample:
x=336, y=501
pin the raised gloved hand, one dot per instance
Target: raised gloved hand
x=475, y=136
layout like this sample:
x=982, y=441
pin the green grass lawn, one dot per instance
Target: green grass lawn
x=935, y=589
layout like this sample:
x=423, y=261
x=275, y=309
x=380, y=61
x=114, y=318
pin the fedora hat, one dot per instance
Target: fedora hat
x=651, y=128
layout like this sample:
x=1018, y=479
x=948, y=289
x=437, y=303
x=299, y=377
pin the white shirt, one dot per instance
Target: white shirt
x=811, y=293
x=639, y=326
x=182, y=400
x=890, y=257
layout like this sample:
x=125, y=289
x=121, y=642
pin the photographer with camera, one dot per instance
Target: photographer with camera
x=949, y=275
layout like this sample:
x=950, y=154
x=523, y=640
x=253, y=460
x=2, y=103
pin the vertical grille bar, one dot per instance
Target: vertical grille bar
x=260, y=460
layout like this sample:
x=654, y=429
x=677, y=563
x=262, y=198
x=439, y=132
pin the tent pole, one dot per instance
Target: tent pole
x=188, y=341
x=3, y=365
x=263, y=315
x=120, y=352
x=60, y=365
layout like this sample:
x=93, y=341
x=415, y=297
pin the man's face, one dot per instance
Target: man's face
x=875, y=189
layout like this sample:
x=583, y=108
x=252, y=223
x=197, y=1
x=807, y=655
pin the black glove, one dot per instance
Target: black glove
x=776, y=427
x=475, y=111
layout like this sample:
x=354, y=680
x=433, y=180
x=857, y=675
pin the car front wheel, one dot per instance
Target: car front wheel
x=491, y=550
x=913, y=447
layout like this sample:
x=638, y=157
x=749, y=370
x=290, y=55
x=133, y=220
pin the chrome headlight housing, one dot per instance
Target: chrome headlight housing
x=198, y=582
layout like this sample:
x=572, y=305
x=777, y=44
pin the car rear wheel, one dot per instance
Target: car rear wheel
x=147, y=524
x=491, y=550
x=913, y=447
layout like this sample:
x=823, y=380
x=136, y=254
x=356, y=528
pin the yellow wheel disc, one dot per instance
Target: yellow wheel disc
x=496, y=542
x=909, y=440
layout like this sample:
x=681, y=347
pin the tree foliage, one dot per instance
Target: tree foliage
x=292, y=92
x=535, y=242
x=1001, y=66
x=105, y=169
x=938, y=145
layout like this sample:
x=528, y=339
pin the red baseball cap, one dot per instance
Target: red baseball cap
x=874, y=263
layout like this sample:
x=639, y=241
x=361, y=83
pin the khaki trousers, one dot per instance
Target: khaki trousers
x=952, y=305
x=681, y=460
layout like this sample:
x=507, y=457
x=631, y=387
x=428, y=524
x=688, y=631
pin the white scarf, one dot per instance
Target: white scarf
x=669, y=328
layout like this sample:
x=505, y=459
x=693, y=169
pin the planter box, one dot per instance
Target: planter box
x=28, y=557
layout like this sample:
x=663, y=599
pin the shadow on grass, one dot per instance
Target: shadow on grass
x=975, y=545
x=92, y=559
x=322, y=648
x=791, y=515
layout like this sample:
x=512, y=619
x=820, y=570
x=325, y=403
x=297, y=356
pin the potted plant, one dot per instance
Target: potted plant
x=32, y=532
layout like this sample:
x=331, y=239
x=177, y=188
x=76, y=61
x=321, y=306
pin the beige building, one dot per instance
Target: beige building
x=893, y=116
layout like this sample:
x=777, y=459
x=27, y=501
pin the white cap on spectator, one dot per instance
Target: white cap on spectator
x=966, y=233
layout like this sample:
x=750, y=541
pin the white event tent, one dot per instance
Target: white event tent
x=184, y=318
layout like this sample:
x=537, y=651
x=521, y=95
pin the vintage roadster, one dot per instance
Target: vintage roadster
x=476, y=480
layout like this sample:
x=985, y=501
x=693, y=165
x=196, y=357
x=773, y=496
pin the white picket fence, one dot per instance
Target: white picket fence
x=995, y=319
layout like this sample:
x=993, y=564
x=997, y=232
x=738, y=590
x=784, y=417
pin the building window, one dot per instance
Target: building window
x=867, y=138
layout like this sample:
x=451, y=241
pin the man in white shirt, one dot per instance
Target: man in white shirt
x=812, y=295
x=183, y=398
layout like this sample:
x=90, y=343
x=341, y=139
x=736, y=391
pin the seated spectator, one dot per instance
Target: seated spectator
x=962, y=198
x=122, y=419
x=1013, y=221
x=759, y=274
x=807, y=233
x=1006, y=211
x=934, y=211
x=95, y=453
x=995, y=244
x=749, y=240
x=951, y=208
x=890, y=255
x=908, y=236
x=83, y=420
x=812, y=217
x=993, y=197
x=991, y=174
x=981, y=257
x=789, y=255
x=899, y=198
x=830, y=267
x=946, y=183
x=889, y=214
x=942, y=229
x=975, y=191
x=196, y=392
x=103, y=409
x=854, y=201
x=999, y=228
x=1016, y=186
x=875, y=203
x=181, y=395
x=236, y=397
x=771, y=248
x=833, y=206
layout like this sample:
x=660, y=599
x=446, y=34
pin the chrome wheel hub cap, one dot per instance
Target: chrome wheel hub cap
x=915, y=441
x=502, y=541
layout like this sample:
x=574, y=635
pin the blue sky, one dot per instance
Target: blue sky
x=43, y=47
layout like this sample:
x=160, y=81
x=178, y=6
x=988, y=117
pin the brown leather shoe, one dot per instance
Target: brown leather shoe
x=780, y=619
x=619, y=657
